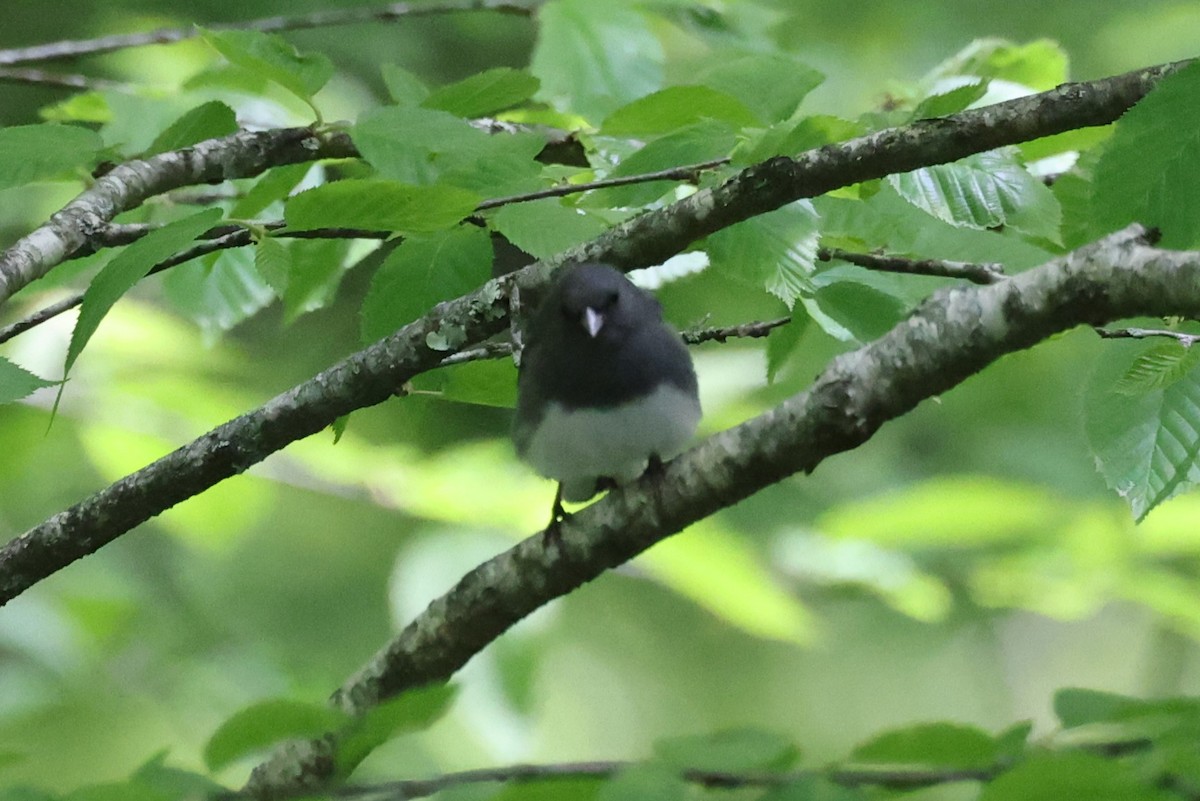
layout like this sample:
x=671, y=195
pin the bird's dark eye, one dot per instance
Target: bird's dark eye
x=611, y=299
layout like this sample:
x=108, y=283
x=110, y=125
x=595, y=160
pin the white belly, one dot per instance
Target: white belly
x=579, y=446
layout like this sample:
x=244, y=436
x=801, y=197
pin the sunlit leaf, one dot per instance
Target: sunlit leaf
x=723, y=574
x=1038, y=65
x=218, y=291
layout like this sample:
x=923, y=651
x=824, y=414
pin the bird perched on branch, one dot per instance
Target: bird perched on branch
x=605, y=389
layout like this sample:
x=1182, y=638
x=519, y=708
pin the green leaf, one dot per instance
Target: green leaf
x=987, y=190
x=274, y=58
x=986, y=512
x=855, y=305
x=770, y=84
x=413, y=710
x=545, y=227
x=556, y=789
x=127, y=268
x=218, y=291
x=815, y=788
x=950, y=101
x=31, y=153
x=377, y=205
x=84, y=107
x=774, y=251
x=947, y=745
x=732, y=751
x=1053, y=776
x=274, y=185
x=1148, y=172
x=317, y=267
x=422, y=271
x=723, y=574
x=675, y=107
x=505, y=164
x=646, y=783
x=782, y=343
x=1077, y=706
x=703, y=141
x=265, y=723
x=16, y=382
x=413, y=144
x=206, y=121
x=487, y=382
x=791, y=138
x=486, y=93
x=1145, y=445
x=1158, y=367
x=274, y=263
x=403, y=87
x=1038, y=65
x=593, y=57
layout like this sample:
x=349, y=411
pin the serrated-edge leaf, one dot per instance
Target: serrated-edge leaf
x=1146, y=446
x=675, y=107
x=16, y=382
x=265, y=723
x=1158, y=368
x=983, y=191
x=127, y=268
x=775, y=251
x=273, y=262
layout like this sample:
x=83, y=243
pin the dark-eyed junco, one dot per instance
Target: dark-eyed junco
x=605, y=387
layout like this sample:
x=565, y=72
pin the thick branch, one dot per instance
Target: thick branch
x=106, y=44
x=237, y=156
x=950, y=337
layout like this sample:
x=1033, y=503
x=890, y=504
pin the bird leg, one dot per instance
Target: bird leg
x=558, y=516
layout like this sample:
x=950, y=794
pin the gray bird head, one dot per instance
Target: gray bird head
x=600, y=303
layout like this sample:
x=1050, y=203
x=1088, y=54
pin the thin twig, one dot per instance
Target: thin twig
x=751, y=330
x=689, y=172
x=106, y=44
x=1187, y=340
x=43, y=78
x=986, y=273
x=893, y=778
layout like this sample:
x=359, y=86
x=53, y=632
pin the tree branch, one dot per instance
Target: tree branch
x=889, y=778
x=975, y=273
x=950, y=337
x=55, y=51
x=43, y=78
x=239, y=155
x=1187, y=340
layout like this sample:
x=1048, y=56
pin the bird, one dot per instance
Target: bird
x=605, y=387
